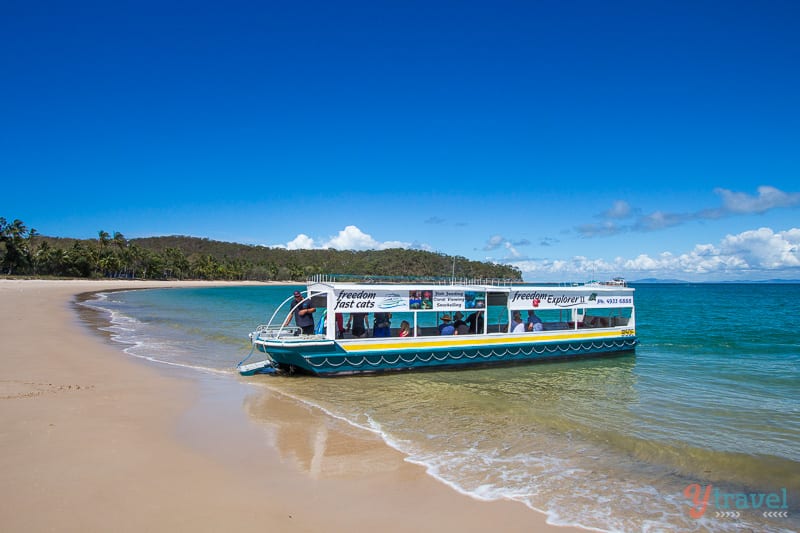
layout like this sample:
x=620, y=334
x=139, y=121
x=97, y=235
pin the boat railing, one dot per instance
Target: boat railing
x=433, y=280
x=616, y=282
x=279, y=329
x=271, y=332
x=492, y=282
x=451, y=280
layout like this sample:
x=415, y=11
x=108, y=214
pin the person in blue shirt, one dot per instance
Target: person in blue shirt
x=533, y=323
x=446, y=328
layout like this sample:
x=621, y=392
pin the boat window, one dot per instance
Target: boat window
x=605, y=317
x=552, y=319
x=497, y=299
x=398, y=318
x=320, y=301
x=497, y=315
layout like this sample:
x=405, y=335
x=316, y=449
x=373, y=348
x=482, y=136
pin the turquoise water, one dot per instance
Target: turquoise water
x=710, y=398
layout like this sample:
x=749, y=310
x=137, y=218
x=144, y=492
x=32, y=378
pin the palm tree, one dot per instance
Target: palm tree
x=104, y=238
x=119, y=240
x=13, y=235
x=52, y=260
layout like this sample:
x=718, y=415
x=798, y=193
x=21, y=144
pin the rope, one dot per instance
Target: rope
x=252, y=349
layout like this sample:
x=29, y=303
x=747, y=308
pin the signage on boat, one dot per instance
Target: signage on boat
x=367, y=300
x=522, y=298
x=448, y=300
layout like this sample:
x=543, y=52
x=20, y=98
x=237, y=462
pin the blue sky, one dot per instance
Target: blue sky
x=576, y=140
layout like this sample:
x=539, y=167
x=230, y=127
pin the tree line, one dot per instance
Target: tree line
x=25, y=252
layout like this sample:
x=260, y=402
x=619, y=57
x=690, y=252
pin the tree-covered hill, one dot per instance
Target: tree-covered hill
x=25, y=252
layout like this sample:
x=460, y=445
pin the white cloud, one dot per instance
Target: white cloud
x=660, y=220
x=703, y=259
x=764, y=248
x=398, y=244
x=644, y=263
x=733, y=203
x=498, y=241
x=494, y=242
x=350, y=238
x=620, y=209
x=768, y=198
x=300, y=242
x=603, y=229
x=511, y=250
x=754, y=254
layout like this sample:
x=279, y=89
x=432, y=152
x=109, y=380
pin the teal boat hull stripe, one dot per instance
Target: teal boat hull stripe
x=333, y=359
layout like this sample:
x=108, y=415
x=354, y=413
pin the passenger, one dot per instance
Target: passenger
x=475, y=322
x=303, y=314
x=461, y=327
x=339, y=326
x=517, y=326
x=534, y=323
x=405, y=329
x=359, y=323
x=446, y=328
x=382, y=327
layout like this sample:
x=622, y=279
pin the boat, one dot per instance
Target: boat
x=559, y=322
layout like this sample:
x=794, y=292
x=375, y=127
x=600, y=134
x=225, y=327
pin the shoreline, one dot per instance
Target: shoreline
x=92, y=438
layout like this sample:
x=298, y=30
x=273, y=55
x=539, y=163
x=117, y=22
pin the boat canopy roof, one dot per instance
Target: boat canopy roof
x=365, y=297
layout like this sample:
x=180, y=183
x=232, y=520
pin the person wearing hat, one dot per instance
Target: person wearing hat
x=446, y=328
x=303, y=314
x=459, y=324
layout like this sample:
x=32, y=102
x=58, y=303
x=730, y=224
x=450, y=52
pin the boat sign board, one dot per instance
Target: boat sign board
x=370, y=300
x=526, y=298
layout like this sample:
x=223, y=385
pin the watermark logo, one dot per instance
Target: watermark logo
x=731, y=504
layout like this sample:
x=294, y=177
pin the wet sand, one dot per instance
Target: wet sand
x=94, y=439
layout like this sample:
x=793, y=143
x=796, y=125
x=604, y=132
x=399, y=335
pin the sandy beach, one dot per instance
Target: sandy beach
x=94, y=439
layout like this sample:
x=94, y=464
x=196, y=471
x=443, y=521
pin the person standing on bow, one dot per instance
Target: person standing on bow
x=303, y=314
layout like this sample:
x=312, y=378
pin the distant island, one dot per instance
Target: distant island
x=24, y=252
x=657, y=280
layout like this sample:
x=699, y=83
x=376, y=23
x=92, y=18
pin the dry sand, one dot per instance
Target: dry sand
x=95, y=440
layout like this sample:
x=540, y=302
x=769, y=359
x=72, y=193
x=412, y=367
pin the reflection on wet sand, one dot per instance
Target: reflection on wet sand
x=320, y=445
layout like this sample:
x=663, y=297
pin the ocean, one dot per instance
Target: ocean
x=699, y=430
